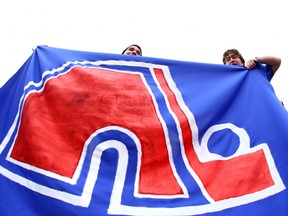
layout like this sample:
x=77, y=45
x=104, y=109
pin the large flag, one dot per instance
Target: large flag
x=87, y=133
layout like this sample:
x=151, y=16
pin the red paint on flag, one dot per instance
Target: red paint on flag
x=57, y=121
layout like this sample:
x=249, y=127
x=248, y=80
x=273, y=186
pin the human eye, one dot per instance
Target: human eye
x=228, y=58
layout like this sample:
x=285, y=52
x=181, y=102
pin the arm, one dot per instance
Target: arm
x=274, y=62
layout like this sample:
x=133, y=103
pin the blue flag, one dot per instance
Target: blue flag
x=87, y=133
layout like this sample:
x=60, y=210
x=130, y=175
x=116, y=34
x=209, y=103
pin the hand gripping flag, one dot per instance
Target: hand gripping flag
x=86, y=133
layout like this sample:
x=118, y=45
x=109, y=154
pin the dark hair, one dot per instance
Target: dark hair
x=132, y=45
x=234, y=51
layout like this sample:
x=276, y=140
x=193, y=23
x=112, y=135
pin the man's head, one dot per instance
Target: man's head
x=133, y=49
x=233, y=57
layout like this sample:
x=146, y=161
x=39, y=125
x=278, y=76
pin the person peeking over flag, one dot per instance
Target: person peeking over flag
x=234, y=57
x=133, y=49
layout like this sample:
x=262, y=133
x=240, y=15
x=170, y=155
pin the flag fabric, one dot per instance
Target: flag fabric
x=87, y=133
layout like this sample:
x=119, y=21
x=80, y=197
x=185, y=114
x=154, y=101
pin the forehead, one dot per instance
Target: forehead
x=231, y=53
x=133, y=47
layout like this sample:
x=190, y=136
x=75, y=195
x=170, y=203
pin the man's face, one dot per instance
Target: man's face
x=133, y=50
x=233, y=59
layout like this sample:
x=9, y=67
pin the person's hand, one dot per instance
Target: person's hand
x=252, y=63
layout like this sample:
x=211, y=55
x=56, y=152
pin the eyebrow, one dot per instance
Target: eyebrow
x=233, y=55
x=137, y=50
